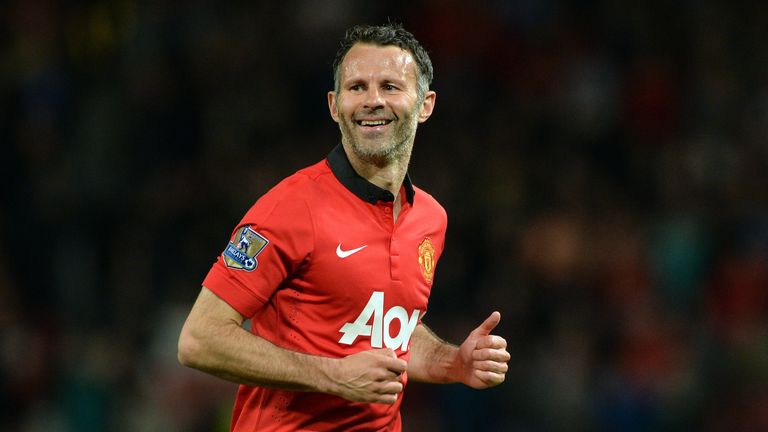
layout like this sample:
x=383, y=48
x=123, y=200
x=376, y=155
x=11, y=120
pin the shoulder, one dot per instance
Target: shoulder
x=423, y=197
x=304, y=185
x=290, y=199
x=304, y=181
x=428, y=203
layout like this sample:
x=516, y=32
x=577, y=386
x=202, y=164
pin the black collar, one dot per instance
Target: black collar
x=359, y=186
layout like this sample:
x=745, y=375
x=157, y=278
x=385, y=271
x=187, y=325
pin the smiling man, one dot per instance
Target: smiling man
x=378, y=102
x=334, y=267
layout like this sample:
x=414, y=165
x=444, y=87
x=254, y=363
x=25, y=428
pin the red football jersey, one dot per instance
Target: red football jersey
x=321, y=267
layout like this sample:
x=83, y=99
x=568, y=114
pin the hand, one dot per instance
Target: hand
x=370, y=376
x=484, y=356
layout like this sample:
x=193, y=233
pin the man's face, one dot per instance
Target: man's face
x=377, y=105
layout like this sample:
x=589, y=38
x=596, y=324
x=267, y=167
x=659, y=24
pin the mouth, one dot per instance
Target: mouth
x=373, y=123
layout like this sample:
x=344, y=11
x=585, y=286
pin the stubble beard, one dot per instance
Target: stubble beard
x=394, y=150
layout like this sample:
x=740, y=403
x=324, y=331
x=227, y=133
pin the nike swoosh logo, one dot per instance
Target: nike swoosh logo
x=345, y=253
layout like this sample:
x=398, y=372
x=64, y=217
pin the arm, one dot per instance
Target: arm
x=480, y=362
x=214, y=341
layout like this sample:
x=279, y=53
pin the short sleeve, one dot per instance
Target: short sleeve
x=269, y=244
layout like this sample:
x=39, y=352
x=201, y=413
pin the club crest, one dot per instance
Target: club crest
x=241, y=252
x=427, y=259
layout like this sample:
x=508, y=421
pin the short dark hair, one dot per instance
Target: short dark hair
x=384, y=35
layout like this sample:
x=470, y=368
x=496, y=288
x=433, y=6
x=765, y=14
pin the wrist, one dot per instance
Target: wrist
x=327, y=371
x=445, y=366
x=454, y=367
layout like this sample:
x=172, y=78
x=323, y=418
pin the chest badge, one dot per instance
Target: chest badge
x=427, y=259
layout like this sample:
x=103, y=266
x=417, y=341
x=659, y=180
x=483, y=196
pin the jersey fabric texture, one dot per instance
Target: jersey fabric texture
x=326, y=270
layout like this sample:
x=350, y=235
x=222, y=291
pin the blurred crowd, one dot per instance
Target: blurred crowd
x=603, y=164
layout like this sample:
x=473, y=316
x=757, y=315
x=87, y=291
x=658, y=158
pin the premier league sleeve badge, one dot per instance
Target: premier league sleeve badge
x=241, y=252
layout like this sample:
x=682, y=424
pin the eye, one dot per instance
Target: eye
x=389, y=87
x=356, y=87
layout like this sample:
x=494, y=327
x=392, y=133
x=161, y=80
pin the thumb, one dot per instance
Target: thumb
x=488, y=325
x=392, y=362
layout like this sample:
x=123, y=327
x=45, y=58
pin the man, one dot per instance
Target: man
x=334, y=267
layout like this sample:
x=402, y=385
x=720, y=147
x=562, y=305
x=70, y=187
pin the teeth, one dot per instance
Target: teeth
x=373, y=122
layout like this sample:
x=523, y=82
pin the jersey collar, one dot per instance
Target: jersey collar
x=365, y=190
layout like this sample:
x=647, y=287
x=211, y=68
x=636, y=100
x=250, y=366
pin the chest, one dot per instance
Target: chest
x=360, y=250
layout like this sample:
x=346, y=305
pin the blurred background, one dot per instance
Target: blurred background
x=603, y=164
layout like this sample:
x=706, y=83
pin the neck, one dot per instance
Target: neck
x=388, y=175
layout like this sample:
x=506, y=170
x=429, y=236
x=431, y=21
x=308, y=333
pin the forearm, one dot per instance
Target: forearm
x=214, y=341
x=432, y=359
x=234, y=354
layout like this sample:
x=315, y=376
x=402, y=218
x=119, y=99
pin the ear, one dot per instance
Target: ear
x=332, y=106
x=427, y=106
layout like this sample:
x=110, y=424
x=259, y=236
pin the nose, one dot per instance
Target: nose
x=373, y=98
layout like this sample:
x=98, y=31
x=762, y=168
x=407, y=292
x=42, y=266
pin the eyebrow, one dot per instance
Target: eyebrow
x=362, y=80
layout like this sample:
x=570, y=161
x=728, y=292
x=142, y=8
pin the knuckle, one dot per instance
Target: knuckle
x=500, y=356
